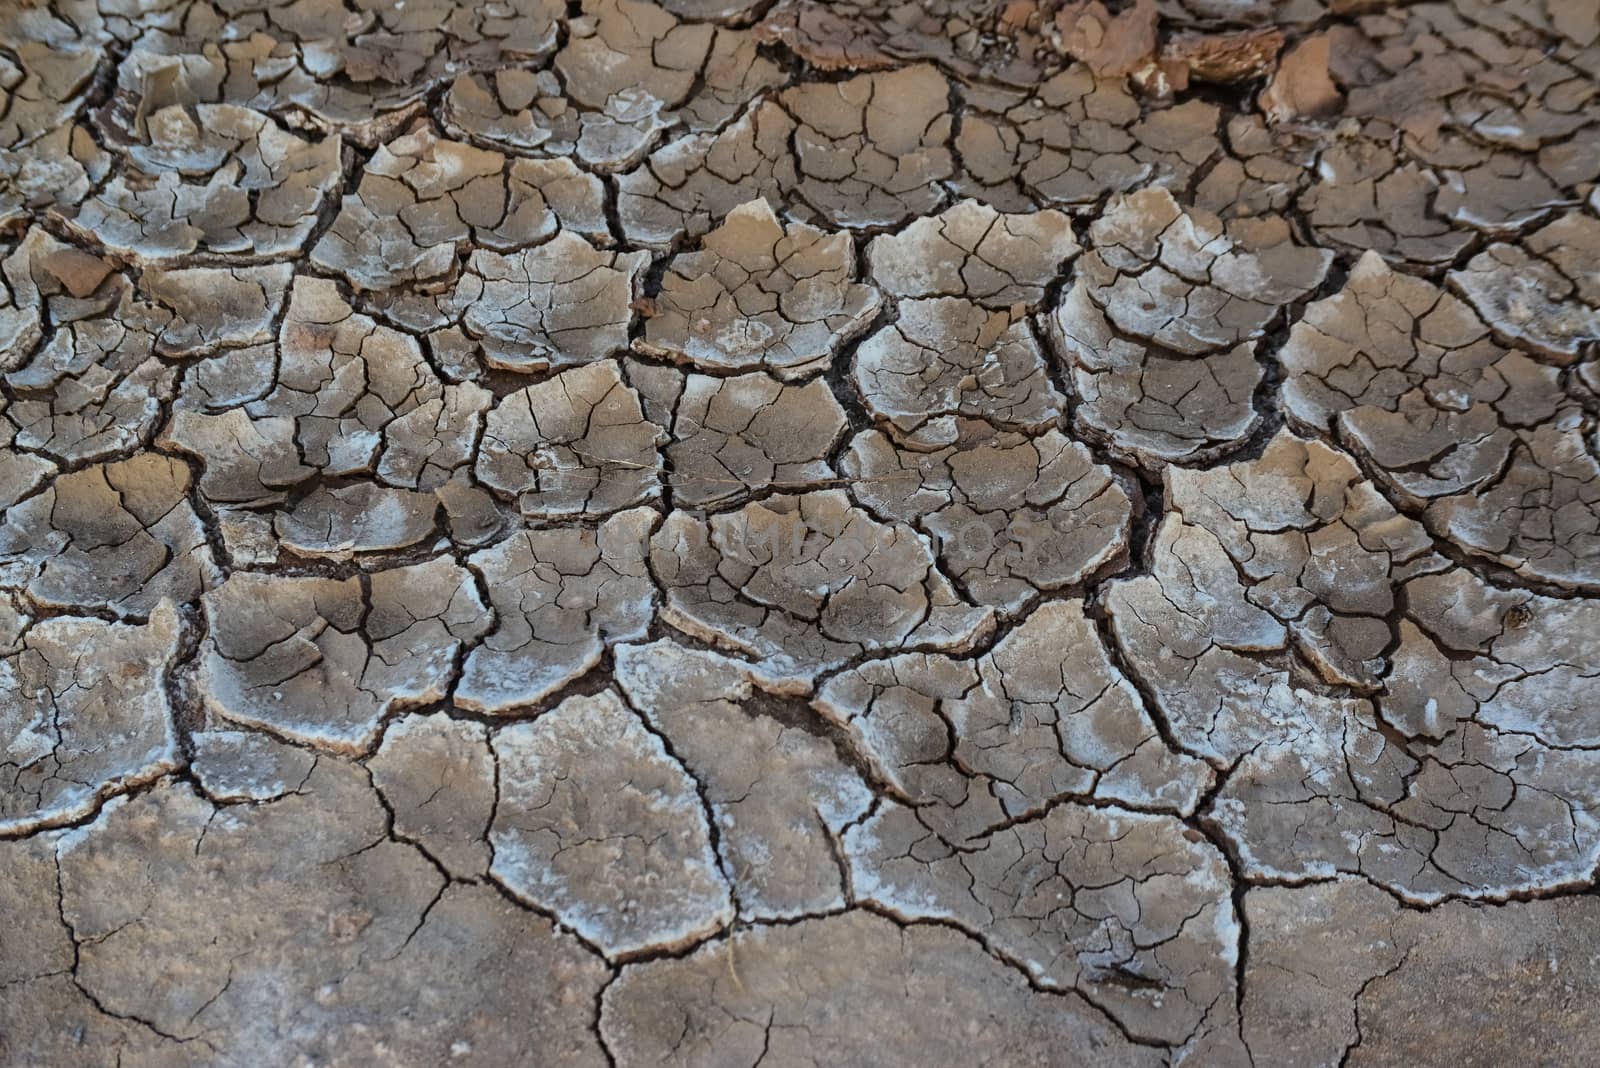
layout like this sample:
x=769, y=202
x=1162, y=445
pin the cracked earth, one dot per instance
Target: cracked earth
x=733, y=532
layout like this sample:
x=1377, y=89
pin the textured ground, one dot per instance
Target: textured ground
x=870, y=533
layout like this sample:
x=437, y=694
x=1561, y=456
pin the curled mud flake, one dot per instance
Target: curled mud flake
x=1075, y=138
x=116, y=538
x=714, y=10
x=44, y=279
x=1292, y=549
x=777, y=791
x=438, y=776
x=318, y=662
x=1320, y=547
x=522, y=111
x=217, y=179
x=1501, y=197
x=599, y=824
x=419, y=198
x=247, y=461
x=947, y=358
x=1365, y=200
x=974, y=745
x=86, y=716
x=760, y=295
x=47, y=73
x=689, y=185
x=341, y=395
x=337, y=524
x=363, y=75
x=1010, y=516
x=1259, y=178
x=1148, y=404
x=56, y=171
x=630, y=64
x=1484, y=444
x=20, y=472
x=95, y=388
x=822, y=37
x=497, y=108
x=1160, y=325
x=628, y=72
x=802, y=996
x=233, y=765
x=307, y=893
x=561, y=304
x=427, y=446
x=1528, y=302
x=1181, y=280
x=1123, y=907
x=748, y=434
x=1467, y=775
x=871, y=151
x=560, y=597
x=1451, y=127
x=215, y=307
x=975, y=252
x=804, y=583
x=1188, y=630
x=574, y=445
x=1570, y=244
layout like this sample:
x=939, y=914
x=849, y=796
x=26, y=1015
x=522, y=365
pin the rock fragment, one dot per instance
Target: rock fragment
x=1301, y=87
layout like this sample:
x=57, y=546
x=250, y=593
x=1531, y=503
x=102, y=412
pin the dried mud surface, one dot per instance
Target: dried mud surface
x=769, y=532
